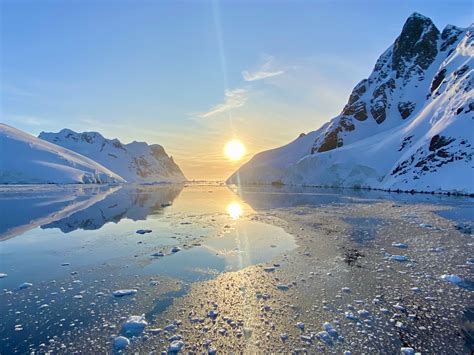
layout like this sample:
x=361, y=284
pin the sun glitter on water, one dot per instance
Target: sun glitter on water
x=234, y=150
x=234, y=209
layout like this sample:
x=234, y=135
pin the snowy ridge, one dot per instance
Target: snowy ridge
x=26, y=159
x=136, y=162
x=409, y=126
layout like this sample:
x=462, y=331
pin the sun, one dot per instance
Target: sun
x=234, y=209
x=234, y=149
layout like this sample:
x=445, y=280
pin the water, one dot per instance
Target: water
x=83, y=239
x=78, y=244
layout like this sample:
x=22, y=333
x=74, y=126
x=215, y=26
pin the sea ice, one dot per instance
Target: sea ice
x=399, y=258
x=399, y=245
x=25, y=285
x=134, y=325
x=175, y=346
x=121, y=342
x=121, y=293
x=455, y=279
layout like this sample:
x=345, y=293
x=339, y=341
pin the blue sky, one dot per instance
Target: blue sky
x=191, y=75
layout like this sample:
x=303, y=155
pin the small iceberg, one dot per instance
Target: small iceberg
x=3, y=275
x=399, y=258
x=175, y=346
x=455, y=279
x=25, y=285
x=122, y=293
x=121, y=343
x=134, y=325
x=399, y=245
x=175, y=249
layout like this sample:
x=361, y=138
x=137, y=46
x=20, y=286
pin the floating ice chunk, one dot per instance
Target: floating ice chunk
x=121, y=343
x=175, y=346
x=269, y=269
x=134, y=325
x=25, y=285
x=455, y=279
x=399, y=307
x=399, y=245
x=425, y=225
x=328, y=326
x=2, y=275
x=174, y=337
x=324, y=336
x=160, y=253
x=284, y=336
x=44, y=306
x=300, y=325
x=363, y=313
x=407, y=351
x=350, y=315
x=143, y=231
x=175, y=249
x=347, y=352
x=346, y=289
x=121, y=293
x=283, y=287
x=78, y=297
x=213, y=313
x=306, y=338
x=399, y=258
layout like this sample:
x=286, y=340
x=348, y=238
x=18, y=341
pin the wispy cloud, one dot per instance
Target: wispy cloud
x=233, y=99
x=267, y=70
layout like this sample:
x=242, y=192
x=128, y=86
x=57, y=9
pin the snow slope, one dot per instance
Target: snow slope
x=25, y=159
x=136, y=162
x=408, y=126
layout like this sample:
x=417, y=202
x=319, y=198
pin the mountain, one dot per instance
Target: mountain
x=25, y=159
x=408, y=126
x=136, y=162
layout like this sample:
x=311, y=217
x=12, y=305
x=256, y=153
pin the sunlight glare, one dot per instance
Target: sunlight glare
x=234, y=209
x=234, y=149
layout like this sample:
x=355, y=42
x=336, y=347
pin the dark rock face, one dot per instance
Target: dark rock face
x=358, y=110
x=438, y=142
x=331, y=138
x=440, y=152
x=438, y=79
x=405, y=108
x=450, y=35
x=416, y=45
x=380, y=100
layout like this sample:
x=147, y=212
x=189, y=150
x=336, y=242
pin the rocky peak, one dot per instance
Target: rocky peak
x=417, y=45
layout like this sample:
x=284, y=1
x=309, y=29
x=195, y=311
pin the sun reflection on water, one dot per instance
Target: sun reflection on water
x=234, y=209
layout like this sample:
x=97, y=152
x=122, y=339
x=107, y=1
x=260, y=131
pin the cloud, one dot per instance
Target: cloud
x=233, y=99
x=265, y=71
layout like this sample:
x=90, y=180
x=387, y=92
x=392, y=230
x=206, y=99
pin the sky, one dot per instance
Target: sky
x=192, y=75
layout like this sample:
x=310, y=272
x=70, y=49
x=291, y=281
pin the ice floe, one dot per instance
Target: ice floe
x=126, y=292
x=121, y=343
x=134, y=325
x=25, y=285
x=455, y=279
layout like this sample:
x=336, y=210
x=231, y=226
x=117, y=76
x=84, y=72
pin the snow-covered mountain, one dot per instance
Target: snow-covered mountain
x=25, y=159
x=410, y=125
x=136, y=162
